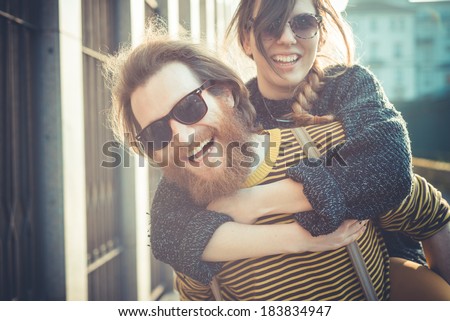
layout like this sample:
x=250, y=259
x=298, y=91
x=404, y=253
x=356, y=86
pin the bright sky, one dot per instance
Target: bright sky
x=339, y=5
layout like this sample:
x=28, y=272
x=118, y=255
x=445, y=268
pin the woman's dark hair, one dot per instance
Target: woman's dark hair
x=335, y=44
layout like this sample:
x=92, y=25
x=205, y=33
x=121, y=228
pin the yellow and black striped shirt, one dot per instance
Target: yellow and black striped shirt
x=325, y=275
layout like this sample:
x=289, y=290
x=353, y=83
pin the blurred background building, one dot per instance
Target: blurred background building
x=73, y=223
x=407, y=45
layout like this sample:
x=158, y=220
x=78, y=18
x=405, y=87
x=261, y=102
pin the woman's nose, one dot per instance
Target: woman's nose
x=287, y=37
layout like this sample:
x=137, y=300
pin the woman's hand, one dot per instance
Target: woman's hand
x=248, y=204
x=349, y=231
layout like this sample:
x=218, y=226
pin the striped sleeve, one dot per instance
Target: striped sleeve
x=191, y=290
x=421, y=215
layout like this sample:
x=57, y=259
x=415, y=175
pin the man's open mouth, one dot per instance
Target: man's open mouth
x=200, y=151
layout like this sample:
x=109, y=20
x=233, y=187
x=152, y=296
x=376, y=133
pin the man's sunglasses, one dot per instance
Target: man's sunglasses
x=188, y=110
x=304, y=26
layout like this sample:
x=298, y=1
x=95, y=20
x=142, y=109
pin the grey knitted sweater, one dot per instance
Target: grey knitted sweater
x=377, y=177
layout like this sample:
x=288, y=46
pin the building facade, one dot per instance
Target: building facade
x=405, y=44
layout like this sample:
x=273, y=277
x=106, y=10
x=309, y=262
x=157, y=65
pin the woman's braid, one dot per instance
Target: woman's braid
x=307, y=93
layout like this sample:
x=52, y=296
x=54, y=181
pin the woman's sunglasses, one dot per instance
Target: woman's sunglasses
x=188, y=110
x=304, y=26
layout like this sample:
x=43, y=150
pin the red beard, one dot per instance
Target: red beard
x=229, y=176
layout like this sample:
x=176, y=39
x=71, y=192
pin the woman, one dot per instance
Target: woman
x=288, y=40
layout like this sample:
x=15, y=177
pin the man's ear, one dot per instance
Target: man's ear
x=228, y=98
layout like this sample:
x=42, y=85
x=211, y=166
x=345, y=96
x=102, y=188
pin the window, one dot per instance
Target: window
x=373, y=25
x=394, y=24
x=373, y=54
x=399, y=77
x=398, y=50
x=401, y=24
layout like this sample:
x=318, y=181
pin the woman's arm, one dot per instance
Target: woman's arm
x=248, y=204
x=186, y=236
x=376, y=175
x=234, y=241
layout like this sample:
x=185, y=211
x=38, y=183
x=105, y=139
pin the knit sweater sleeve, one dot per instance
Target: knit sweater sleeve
x=375, y=175
x=180, y=231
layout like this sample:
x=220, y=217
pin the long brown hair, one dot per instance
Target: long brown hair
x=330, y=50
x=132, y=67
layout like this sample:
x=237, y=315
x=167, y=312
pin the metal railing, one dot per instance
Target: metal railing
x=18, y=228
x=102, y=184
x=436, y=172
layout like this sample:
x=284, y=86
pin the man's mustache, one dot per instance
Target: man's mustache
x=182, y=148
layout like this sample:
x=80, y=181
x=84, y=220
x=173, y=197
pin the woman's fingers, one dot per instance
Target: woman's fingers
x=356, y=222
x=351, y=226
x=348, y=232
x=353, y=230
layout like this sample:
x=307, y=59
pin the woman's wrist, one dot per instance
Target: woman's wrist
x=284, y=196
x=296, y=241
